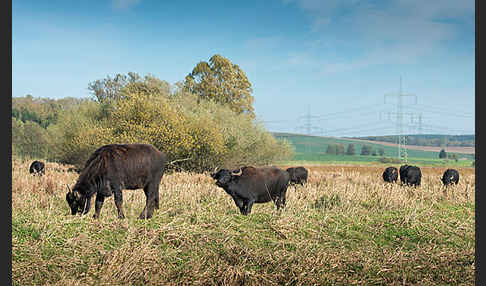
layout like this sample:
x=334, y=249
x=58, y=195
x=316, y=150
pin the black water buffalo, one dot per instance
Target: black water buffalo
x=250, y=185
x=37, y=168
x=298, y=175
x=410, y=175
x=402, y=173
x=450, y=176
x=390, y=174
x=112, y=168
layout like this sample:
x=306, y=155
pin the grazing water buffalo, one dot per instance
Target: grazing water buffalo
x=390, y=174
x=410, y=175
x=402, y=173
x=298, y=175
x=250, y=185
x=451, y=176
x=112, y=168
x=37, y=168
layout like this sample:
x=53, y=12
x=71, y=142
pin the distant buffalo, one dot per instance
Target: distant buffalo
x=112, y=168
x=450, y=176
x=298, y=175
x=249, y=185
x=37, y=168
x=410, y=175
x=390, y=174
x=402, y=173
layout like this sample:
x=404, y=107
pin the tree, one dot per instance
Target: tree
x=108, y=90
x=350, y=150
x=331, y=149
x=442, y=154
x=381, y=151
x=365, y=150
x=453, y=156
x=340, y=149
x=223, y=82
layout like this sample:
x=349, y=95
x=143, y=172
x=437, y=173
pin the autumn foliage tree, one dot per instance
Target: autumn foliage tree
x=221, y=81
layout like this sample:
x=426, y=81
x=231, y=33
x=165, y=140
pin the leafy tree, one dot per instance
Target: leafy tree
x=453, y=156
x=442, y=154
x=331, y=149
x=29, y=140
x=366, y=150
x=223, y=82
x=108, y=90
x=350, y=150
x=381, y=151
x=340, y=149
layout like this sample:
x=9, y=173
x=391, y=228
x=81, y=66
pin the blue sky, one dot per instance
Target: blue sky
x=333, y=60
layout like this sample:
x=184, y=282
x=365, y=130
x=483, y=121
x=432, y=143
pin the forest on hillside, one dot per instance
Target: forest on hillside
x=435, y=140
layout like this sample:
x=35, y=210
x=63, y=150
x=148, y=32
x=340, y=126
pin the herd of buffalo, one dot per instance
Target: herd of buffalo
x=115, y=167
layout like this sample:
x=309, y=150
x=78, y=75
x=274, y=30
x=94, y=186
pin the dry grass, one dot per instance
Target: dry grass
x=344, y=227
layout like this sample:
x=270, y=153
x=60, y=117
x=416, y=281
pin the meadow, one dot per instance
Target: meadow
x=312, y=150
x=345, y=227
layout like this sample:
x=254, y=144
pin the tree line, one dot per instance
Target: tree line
x=428, y=140
x=350, y=149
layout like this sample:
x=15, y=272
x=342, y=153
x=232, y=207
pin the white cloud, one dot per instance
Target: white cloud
x=396, y=32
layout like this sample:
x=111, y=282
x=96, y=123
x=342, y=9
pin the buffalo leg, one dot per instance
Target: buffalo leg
x=249, y=205
x=150, y=195
x=119, y=203
x=87, y=207
x=277, y=200
x=156, y=199
x=241, y=205
x=157, y=193
x=283, y=198
x=98, y=204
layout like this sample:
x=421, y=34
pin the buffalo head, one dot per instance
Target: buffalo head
x=76, y=202
x=224, y=176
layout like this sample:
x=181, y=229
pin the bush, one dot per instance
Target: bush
x=442, y=154
x=29, y=139
x=205, y=133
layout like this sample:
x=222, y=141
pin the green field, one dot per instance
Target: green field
x=312, y=149
x=344, y=227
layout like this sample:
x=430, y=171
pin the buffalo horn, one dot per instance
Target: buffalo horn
x=239, y=173
x=215, y=169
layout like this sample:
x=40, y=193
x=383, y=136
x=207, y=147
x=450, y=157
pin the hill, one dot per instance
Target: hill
x=313, y=149
x=435, y=140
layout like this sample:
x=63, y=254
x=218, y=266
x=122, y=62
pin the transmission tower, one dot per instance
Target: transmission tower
x=402, y=140
x=308, y=127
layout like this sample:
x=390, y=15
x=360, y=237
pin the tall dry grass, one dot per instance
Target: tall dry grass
x=345, y=227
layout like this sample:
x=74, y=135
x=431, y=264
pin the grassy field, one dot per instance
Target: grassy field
x=345, y=227
x=312, y=149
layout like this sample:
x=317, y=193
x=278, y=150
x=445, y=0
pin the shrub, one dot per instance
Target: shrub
x=201, y=134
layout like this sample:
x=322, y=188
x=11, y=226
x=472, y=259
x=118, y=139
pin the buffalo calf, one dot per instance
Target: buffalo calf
x=112, y=168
